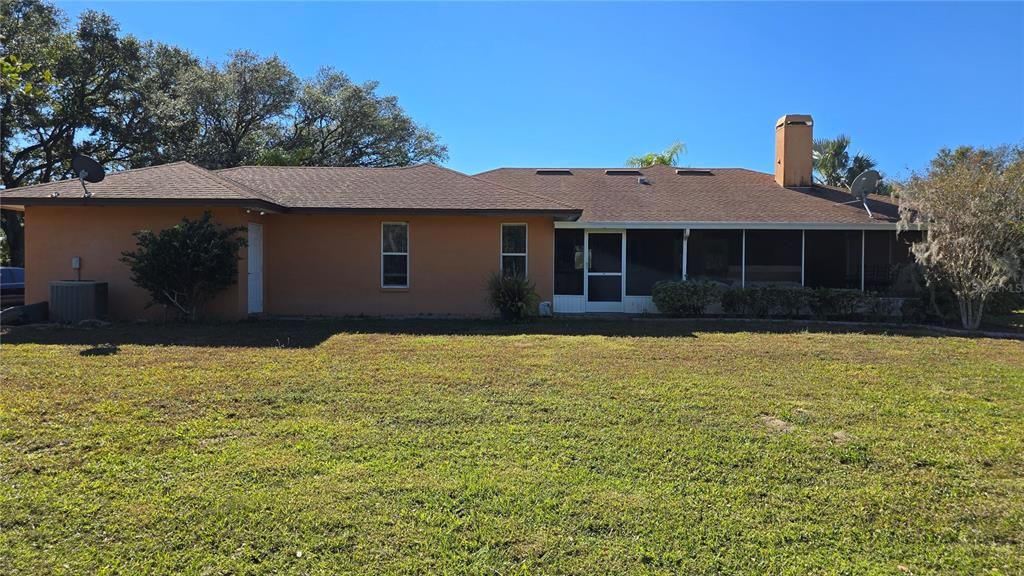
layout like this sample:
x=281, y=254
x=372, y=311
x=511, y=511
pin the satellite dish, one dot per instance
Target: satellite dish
x=88, y=170
x=865, y=183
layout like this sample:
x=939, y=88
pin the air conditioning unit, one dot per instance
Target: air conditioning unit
x=72, y=301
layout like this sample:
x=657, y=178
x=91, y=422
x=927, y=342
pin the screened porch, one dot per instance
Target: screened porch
x=614, y=270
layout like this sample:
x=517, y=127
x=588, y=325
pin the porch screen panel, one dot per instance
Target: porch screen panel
x=715, y=255
x=878, y=259
x=652, y=256
x=569, y=262
x=832, y=259
x=773, y=256
x=888, y=262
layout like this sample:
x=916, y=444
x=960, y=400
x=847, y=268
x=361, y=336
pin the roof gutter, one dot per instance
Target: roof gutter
x=738, y=225
x=14, y=202
x=557, y=213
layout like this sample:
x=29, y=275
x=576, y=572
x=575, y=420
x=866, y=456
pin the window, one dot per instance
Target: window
x=513, y=250
x=394, y=255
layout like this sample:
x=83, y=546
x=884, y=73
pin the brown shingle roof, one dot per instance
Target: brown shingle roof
x=725, y=195
x=421, y=187
x=176, y=181
x=424, y=187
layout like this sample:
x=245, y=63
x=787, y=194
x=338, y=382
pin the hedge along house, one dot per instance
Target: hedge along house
x=422, y=240
x=732, y=226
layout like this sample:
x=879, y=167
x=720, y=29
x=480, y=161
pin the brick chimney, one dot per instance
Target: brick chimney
x=793, y=157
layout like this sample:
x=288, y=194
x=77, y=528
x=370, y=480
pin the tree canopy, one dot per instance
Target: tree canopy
x=833, y=165
x=132, y=103
x=972, y=202
x=129, y=103
x=666, y=158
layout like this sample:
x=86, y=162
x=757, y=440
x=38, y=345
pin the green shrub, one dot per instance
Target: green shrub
x=760, y=301
x=683, y=298
x=790, y=302
x=848, y=303
x=186, y=265
x=876, y=308
x=765, y=301
x=734, y=301
x=835, y=303
x=1005, y=301
x=820, y=303
x=913, y=310
x=514, y=297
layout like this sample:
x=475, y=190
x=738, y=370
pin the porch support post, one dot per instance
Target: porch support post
x=803, y=255
x=743, y=261
x=862, y=234
x=586, y=268
x=686, y=249
x=622, y=268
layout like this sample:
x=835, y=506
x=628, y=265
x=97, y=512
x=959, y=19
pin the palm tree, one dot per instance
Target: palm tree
x=667, y=158
x=833, y=165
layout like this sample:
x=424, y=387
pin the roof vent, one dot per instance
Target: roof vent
x=554, y=172
x=694, y=172
x=623, y=172
x=642, y=180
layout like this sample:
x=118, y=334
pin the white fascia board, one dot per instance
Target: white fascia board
x=735, y=225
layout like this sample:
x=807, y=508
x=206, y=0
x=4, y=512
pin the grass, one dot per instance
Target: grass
x=578, y=447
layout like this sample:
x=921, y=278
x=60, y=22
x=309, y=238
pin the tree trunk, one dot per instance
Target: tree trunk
x=971, y=310
x=10, y=222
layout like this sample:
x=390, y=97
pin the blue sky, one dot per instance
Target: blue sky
x=580, y=84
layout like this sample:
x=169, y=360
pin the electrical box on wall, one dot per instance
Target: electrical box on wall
x=76, y=263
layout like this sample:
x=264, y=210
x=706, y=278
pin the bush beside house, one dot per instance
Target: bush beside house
x=696, y=298
x=183, y=267
x=683, y=298
x=512, y=296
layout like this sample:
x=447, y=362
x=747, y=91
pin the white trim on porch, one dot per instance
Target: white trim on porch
x=730, y=225
x=633, y=304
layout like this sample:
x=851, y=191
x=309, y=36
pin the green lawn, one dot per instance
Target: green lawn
x=375, y=447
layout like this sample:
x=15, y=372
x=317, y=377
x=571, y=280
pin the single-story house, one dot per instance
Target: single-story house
x=422, y=240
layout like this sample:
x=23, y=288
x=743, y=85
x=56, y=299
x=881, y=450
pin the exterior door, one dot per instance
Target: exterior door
x=604, y=285
x=255, y=263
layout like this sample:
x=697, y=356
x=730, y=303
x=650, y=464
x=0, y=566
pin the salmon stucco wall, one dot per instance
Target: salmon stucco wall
x=313, y=264
x=98, y=235
x=330, y=264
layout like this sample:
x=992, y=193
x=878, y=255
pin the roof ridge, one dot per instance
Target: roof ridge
x=230, y=184
x=517, y=190
x=598, y=168
x=266, y=167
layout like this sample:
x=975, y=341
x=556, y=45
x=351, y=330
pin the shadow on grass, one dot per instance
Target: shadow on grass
x=308, y=333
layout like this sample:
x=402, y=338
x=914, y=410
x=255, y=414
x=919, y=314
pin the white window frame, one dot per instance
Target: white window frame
x=408, y=241
x=525, y=255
